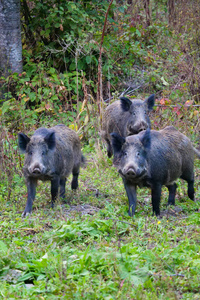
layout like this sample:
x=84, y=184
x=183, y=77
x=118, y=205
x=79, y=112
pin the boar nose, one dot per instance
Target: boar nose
x=36, y=169
x=131, y=172
x=134, y=172
x=142, y=127
x=136, y=128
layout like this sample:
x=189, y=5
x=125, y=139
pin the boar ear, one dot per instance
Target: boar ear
x=150, y=102
x=117, y=141
x=146, y=139
x=125, y=103
x=50, y=139
x=23, y=140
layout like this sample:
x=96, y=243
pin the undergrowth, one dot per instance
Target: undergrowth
x=88, y=247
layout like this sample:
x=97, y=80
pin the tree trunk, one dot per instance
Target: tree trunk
x=171, y=11
x=147, y=10
x=10, y=37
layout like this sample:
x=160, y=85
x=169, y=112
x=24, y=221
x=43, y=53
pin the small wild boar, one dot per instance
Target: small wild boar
x=152, y=159
x=50, y=154
x=126, y=117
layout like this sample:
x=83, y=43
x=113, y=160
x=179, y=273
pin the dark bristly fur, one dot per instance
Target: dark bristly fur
x=125, y=117
x=50, y=154
x=152, y=159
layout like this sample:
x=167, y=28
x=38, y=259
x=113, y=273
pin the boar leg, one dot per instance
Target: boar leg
x=132, y=197
x=191, y=189
x=155, y=196
x=109, y=148
x=172, y=192
x=75, y=173
x=189, y=177
x=54, y=189
x=74, y=183
x=62, y=187
x=31, y=187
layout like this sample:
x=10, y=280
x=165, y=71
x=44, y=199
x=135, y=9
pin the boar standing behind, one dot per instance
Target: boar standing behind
x=50, y=154
x=152, y=159
x=126, y=117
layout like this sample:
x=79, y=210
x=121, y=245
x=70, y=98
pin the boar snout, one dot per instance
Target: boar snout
x=36, y=169
x=132, y=172
x=142, y=127
x=136, y=128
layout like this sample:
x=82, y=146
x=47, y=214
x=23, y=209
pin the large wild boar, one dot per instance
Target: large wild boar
x=50, y=154
x=152, y=159
x=126, y=117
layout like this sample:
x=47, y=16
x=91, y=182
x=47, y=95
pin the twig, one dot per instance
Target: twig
x=125, y=92
x=181, y=275
x=171, y=275
x=121, y=221
x=170, y=105
x=176, y=274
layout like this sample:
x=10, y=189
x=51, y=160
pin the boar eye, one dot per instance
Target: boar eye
x=137, y=154
x=125, y=153
x=30, y=152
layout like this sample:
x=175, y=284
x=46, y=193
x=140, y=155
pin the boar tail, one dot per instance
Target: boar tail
x=83, y=161
x=197, y=152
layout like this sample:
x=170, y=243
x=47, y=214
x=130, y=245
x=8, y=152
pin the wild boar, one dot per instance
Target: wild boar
x=153, y=159
x=126, y=117
x=50, y=154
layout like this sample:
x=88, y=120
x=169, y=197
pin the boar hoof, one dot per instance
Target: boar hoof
x=109, y=153
x=74, y=184
x=131, y=212
x=25, y=214
x=156, y=213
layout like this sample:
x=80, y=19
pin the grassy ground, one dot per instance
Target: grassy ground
x=89, y=248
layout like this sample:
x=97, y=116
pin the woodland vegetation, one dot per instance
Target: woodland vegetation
x=78, y=56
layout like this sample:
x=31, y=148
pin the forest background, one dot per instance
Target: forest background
x=77, y=57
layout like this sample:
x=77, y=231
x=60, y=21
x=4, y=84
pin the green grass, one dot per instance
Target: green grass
x=89, y=248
